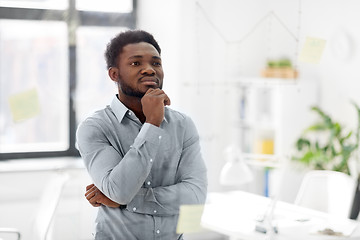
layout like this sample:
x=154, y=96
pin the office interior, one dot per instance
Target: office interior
x=214, y=53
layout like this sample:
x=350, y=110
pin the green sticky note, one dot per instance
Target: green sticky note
x=312, y=50
x=24, y=105
x=190, y=218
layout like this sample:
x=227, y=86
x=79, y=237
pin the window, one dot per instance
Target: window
x=124, y=6
x=46, y=76
x=34, y=88
x=94, y=87
x=42, y=4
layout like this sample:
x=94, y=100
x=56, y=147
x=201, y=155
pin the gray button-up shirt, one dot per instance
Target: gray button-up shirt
x=152, y=170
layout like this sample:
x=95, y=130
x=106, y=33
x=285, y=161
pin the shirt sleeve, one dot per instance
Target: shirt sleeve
x=190, y=185
x=119, y=177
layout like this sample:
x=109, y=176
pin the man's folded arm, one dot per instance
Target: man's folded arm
x=119, y=178
x=190, y=185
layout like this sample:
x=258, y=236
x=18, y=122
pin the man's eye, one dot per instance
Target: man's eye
x=135, y=64
x=157, y=64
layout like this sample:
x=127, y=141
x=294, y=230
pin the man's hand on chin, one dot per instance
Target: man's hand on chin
x=153, y=103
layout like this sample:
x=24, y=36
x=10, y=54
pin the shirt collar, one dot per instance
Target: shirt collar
x=120, y=109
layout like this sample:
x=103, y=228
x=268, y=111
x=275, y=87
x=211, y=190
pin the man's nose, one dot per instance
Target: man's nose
x=148, y=70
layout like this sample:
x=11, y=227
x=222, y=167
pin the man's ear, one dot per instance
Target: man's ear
x=113, y=73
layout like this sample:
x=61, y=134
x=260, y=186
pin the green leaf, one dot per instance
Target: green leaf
x=342, y=140
x=316, y=127
x=307, y=157
x=333, y=151
x=326, y=118
x=336, y=145
x=301, y=143
x=337, y=129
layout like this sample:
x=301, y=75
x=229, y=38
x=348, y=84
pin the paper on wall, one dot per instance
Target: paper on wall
x=24, y=105
x=312, y=50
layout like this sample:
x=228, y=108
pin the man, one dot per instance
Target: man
x=143, y=157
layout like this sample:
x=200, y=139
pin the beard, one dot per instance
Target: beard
x=130, y=91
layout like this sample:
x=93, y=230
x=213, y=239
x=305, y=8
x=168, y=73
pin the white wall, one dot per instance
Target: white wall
x=208, y=45
x=337, y=72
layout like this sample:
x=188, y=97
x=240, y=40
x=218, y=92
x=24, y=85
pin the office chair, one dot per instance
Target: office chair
x=47, y=207
x=327, y=191
x=48, y=204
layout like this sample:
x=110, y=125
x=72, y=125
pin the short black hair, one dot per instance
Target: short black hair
x=116, y=45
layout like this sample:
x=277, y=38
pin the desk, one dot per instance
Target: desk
x=234, y=214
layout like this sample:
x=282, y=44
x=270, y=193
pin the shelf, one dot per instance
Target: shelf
x=264, y=82
x=244, y=81
x=262, y=160
x=263, y=125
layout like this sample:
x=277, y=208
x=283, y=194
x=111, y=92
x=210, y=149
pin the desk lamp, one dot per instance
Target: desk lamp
x=235, y=171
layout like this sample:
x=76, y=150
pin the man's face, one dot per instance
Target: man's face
x=140, y=68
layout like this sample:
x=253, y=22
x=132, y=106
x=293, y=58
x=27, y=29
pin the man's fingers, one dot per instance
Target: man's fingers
x=167, y=101
x=89, y=186
x=90, y=190
x=93, y=199
x=90, y=195
x=154, y=91
x=150, y=90
x=159, y=93
x=94, y=203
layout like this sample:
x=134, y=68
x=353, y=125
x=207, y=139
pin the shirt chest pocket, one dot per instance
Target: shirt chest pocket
x=167, y=161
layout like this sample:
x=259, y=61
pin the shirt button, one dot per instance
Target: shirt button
x=158, y=231
x=129, y=113
x=134, y=209
x=148, y=183
x=155, y=211
x=160, y=137
x=151, y=160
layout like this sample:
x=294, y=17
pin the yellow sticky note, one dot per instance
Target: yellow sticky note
x=190, y=218
x=24, y=105
x=312, y=50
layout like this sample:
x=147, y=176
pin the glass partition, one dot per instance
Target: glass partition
x=34, y=105
x=94, y=88
x=43, y=4
x=120, y=6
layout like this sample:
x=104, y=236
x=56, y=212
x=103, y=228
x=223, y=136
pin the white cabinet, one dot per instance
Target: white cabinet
x=272, y=114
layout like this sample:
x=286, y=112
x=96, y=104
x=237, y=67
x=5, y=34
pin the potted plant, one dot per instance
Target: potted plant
x=279, y=68
x=327, y=145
